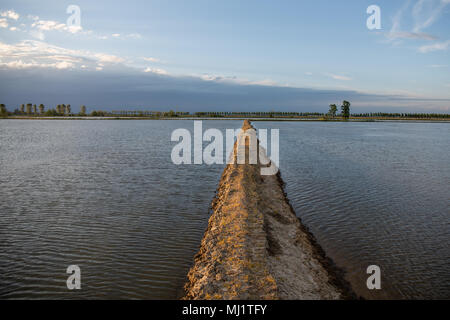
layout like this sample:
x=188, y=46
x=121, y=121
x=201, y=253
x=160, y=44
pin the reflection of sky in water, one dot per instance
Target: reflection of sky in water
x=374, y=193
x=105, y=195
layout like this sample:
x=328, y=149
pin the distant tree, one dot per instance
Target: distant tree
x=29, y=105
x=51, y=112
x=333, y=110
x=68, y=109
x=41, y=108
x=22, y=108
x=3, y=111
x=34, y=109
x=345, y=109
x=83, y=110
x=63, y=109
x=98, y=113
x=58, y=109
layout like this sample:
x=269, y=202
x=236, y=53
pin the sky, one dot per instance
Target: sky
x=233, y=55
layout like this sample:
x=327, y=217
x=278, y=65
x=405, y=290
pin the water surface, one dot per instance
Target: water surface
x=374, y=193
x=105, y=195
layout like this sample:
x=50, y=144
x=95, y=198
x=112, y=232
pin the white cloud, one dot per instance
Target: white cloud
x=426, y=12
x=134, y=36
x=339, y=77
x=11, y=14
x=410, y=35
x=19, y=64
x=13, y=28
x=63, y=65
x=37, y=34
x=309, y=73
x=108, y=58
x=3, y=23
x=265, y=82
x=32, y=53
x=438, y=65
x=435, y=47
x=156, y=70
x=50, y=25
x=150, y=59
x=127, y=36
x=47, y=25
x=236, y=80
x=398, y=17
x=39, y=27
x=75, y=29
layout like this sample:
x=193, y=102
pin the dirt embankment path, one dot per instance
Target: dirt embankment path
x=256, y=248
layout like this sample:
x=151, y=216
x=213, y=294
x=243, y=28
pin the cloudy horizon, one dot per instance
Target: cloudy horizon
x=234, y=56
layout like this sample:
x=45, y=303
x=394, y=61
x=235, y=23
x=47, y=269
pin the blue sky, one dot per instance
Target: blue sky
x=200, y=55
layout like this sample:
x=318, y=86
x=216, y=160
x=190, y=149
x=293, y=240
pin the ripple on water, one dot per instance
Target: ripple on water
x=105, y=195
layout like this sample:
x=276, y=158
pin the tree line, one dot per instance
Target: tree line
x=257, y=114
x=66, y=110
x=30, y=109
x=402, y=115
x=143, y=113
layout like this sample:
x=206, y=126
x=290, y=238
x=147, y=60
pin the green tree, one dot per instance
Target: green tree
x=22, y=108
x=29, y=105
x=333, y=110
x=345, y=109
x=41, y=108
x=34, y=109
x=51, y=112
x=83, y=110
x=68, y=109
x=3, y=111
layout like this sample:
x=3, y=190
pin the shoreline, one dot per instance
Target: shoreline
x=336, y=274
x=255, y=247
x=87, y=118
